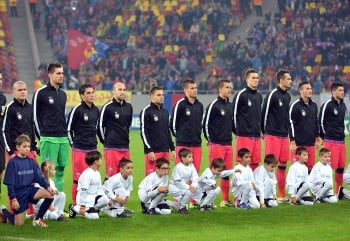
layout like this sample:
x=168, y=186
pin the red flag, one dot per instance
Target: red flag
x=80, y=48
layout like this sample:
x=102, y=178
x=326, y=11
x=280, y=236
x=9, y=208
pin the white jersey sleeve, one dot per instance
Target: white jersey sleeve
x=89, y=186
x=182, y=174
x=148, y=186
x=260, y=176
x=321, y=173
x=207, y=178
x=297, y=174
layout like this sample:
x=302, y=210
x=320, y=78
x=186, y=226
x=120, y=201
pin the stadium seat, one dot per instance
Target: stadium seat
x=209, y=58
x=346, y=69
x=283, y=21
x=221, y=37
x=174, y=3
x=322, y=10
x=312, y=5
x=318, y=58
x=308, y=69
x=195, y=3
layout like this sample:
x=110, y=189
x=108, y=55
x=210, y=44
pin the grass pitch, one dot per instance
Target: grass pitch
x=286, y=222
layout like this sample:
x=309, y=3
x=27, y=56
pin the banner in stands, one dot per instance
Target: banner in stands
x=101, y=97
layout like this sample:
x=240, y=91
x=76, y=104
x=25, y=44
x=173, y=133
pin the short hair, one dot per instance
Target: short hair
x=280, y=74
x=154, y=89
x=301, y=85
x=270, y=159
x=222, y=82
x=336, y=85
x=300, y=149
x=184, y=152
x=187, y=82
x=83, y=87
x=21, y=139
x=19, y=82
x=53, y=66
x=161, y=161
x=250, y=71
x=123, y=162
x=243, y=151
x=92, y=156
x=218, y=163
x=323, y=151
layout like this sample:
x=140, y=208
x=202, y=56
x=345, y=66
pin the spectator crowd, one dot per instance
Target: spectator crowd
x=163, y=42
x=310, y=38
x=151, y=42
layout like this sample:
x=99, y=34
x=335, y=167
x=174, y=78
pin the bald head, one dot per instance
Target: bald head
x=119, y=91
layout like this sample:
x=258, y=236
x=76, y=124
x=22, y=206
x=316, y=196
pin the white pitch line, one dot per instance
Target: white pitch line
x=23, y=239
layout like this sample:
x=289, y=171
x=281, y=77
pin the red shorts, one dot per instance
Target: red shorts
x=78, y=162
x=338, y=153
x=196, y=152
x=311, y=156
x=278, y=146
x=252, y=144
x=223, y=151
x=150, y=166
x=112, y=158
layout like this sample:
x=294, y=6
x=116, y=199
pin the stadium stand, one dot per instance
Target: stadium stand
x=7, y=56
x=311, y=39
x=150, y=41
x=161, y=42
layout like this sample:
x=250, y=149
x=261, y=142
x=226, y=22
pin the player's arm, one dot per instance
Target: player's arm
x=10, y=181
x=291, y=181
x=174, y=118
x=145, y=128
x=235, y=102
x=36, y=104
x=317, y=129
x=71, y=125
x=179, y=182
x=6, y=129
x=101, y=124
x=207, y=120
x=293, y=118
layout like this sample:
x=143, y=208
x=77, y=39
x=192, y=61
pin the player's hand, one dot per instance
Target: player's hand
x=163, y=189
x=14, y=204
x=293, y=146
x=151, y=156
x=51, y=191
x=192, y=189
x=262, y=205
x=120, y=200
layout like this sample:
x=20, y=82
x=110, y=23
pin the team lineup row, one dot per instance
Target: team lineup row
x=251, y=189
x=275, y=121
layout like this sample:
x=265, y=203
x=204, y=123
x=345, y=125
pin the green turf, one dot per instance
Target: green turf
x=286, y=222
